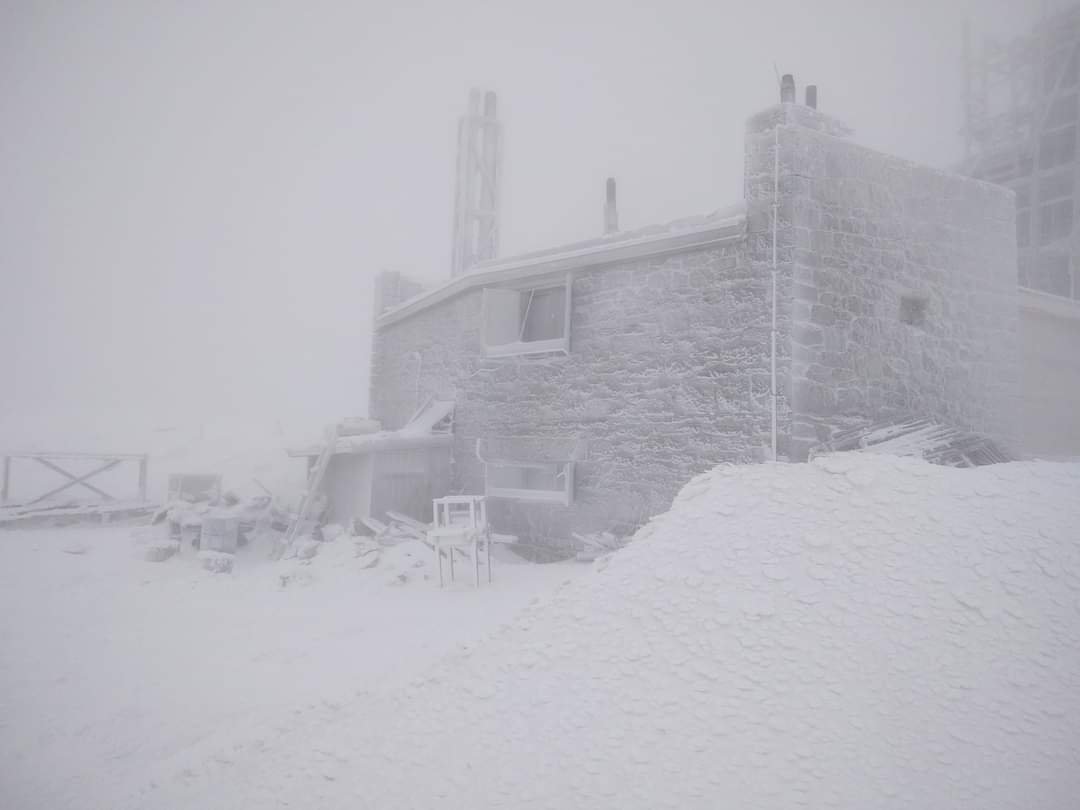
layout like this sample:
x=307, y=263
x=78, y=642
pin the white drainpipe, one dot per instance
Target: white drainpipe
x=775, y=217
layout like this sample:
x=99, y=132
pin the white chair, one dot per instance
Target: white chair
x=461, y=522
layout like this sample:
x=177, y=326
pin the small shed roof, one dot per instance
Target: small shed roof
x=430, y=427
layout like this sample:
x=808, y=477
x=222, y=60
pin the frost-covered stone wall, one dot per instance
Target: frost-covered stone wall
x=655, y=389
x=902, y=282
x=896, y=295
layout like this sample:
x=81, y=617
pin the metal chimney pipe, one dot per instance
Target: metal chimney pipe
x=787, y=89
x=611, y=211
x=811, y=96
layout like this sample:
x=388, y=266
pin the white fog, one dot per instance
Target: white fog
x=694, y=423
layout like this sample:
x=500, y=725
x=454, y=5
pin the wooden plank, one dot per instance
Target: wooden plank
x=314, y=482
x=376, y=526
x=71, y=456
x=408, y=521
x=416, y=534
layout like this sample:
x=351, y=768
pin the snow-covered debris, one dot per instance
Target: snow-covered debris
x=862, y=631
x=161, y=550
x=920, y=438
x=598, y=544
x=217, y=562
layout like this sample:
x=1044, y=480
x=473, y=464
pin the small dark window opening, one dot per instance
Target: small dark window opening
x=913, y=310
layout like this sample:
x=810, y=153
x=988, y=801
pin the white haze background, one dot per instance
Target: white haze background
x=196, y=195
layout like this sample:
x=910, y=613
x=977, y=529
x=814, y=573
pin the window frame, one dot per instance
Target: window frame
x=1055, y=220
x=525, y=347
x=563, y=497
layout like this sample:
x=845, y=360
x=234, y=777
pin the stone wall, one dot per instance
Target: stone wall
x=1050, y=381
x=903, y=284
x=655, y=389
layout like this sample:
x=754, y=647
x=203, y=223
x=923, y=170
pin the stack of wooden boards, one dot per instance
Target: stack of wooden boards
x=399, y=527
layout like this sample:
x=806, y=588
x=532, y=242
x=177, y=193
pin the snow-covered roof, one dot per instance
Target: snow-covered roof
x=679, y=234
x=423, y=430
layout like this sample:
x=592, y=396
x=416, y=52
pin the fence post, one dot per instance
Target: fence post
x=142, y=478
x=7, y=477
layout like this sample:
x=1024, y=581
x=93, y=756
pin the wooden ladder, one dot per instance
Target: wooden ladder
x=314, y=482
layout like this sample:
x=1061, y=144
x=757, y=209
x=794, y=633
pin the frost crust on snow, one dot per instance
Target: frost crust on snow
x=857, y=632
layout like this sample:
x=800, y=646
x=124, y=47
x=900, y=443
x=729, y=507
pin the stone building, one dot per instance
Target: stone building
x=589, y=382
x=1022, y=116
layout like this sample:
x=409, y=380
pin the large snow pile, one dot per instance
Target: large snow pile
x=859, y=632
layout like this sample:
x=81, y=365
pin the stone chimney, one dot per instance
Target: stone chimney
x=787, y=89
x=811, y=96
x=393, y=288
x=611, y=211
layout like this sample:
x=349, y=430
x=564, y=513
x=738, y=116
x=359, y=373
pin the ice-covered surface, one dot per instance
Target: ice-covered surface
x=858, y=632
x=421, y=427
x=116, y=671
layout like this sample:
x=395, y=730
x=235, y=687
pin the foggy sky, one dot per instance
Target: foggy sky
x=196, y=195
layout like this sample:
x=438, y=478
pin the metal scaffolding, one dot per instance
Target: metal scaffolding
x=1020, y=130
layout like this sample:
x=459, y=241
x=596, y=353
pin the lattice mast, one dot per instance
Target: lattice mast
x=476, y=203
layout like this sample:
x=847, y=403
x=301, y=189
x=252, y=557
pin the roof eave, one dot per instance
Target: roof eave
x=512, y=269
x=1049, y=304
x=373, y=445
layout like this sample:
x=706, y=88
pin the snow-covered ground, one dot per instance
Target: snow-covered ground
x=859, y=632
x=116, y=673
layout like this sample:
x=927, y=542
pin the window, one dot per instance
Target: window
x=1023, y=196
x=527, y=321
x=913, y=310
x=1051, y=274
x=1056, y=186
x=1062, y=112
x=1057, y=148
x=1055, y=221
x=1023, y=271
x=1023, y=229
x=1058, y=72
x=552, y=482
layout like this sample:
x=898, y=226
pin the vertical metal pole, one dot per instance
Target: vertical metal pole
x=775, y=217
x=142, y=478
x=488, y=246
x=967, y=90
x=7, y=478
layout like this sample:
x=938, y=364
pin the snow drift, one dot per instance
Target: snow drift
x=857, y=632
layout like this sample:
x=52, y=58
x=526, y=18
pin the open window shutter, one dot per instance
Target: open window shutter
x=501, y=316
